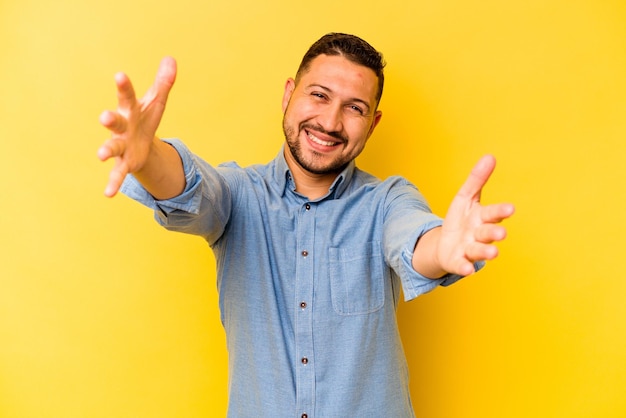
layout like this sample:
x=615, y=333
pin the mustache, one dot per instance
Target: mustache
x=334, y=134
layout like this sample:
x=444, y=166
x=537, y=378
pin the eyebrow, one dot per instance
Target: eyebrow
x=328, y=90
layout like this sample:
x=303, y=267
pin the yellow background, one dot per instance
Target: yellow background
x=104, y=314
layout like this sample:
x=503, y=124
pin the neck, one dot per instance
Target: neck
x=309, y=184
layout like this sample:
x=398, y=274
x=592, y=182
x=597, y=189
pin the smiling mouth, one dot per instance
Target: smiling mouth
x=318, y=141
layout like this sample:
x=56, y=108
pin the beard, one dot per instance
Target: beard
x=315, y=164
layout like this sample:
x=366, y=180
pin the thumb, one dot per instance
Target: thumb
x=478, y=177
x=166, y=76
x=156, y=97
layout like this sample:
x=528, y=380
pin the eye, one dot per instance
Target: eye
x=357, y=109
x=318, y=95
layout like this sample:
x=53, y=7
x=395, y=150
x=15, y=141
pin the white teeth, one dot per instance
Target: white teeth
x=319, y=141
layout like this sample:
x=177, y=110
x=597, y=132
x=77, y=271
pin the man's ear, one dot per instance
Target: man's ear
x=290, y=86
x=377, y=117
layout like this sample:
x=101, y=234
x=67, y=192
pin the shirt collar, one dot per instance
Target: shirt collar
x=283, y=178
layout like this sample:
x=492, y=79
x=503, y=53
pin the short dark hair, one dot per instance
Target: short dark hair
x=352, y=48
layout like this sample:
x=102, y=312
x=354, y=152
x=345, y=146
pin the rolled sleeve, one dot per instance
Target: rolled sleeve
x=409, y=218
x=188, y=201
x=414, y=283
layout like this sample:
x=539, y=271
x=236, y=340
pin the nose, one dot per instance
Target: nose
x=331, y=118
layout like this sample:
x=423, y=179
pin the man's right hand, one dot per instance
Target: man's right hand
x=133, y=126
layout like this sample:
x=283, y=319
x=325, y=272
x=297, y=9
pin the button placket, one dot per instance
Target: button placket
x=304, y=360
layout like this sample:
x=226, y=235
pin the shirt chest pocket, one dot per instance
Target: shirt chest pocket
x=357, y=278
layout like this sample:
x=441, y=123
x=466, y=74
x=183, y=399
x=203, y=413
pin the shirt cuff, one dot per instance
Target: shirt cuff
x=188, y=201
x=417, y=284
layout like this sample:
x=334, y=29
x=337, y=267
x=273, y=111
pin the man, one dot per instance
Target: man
x=311, y=251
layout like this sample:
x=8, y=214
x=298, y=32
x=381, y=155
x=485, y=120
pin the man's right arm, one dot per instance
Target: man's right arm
x=133, y=144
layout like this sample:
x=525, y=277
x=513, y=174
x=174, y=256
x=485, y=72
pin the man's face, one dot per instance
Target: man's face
x=329, y=114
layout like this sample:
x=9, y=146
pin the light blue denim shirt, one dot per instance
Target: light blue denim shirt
x=307, y=289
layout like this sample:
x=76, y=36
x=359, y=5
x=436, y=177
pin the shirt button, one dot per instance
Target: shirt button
x=303, y=305
x=305, y=253
x=305, y=360
x=308, y=207
x=304, y=416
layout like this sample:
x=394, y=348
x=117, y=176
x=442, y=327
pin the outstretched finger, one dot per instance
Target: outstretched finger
x=111, y=148
x=113, y=121
x=497, y=212
x=478, y=177
x=489, y=233
x=116, y=178
x=125, y=92
x=481, y=252
x=463, y=268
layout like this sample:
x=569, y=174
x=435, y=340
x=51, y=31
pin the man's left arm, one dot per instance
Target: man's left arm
x=469, y=230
